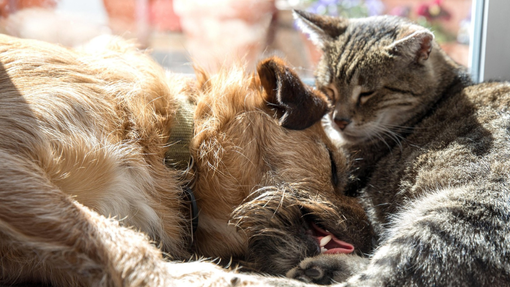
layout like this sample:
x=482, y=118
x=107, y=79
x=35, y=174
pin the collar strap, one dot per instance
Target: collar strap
x=178, y=154
x=194, y=208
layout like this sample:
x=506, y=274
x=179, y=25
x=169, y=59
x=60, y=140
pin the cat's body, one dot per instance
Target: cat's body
x=430, y=154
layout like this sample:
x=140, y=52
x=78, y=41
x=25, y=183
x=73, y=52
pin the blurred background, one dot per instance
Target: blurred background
x=216, y=32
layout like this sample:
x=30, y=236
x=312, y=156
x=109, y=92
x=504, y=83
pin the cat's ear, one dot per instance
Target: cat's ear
x=415, y=43
x=321, y=29
x=297, y=105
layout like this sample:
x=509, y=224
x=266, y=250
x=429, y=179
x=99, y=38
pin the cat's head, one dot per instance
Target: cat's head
x=379, y=72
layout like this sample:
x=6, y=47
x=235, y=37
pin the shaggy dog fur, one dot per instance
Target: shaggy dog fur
x=83, y=138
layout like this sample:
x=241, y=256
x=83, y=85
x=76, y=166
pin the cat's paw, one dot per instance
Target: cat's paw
x=326, y=269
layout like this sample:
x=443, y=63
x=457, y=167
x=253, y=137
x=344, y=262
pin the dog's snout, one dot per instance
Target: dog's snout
x=342, y=123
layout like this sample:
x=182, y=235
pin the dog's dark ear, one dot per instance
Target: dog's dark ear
x=297, y=105
x=321, y=29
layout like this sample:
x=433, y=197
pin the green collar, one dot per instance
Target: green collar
x=178, y=154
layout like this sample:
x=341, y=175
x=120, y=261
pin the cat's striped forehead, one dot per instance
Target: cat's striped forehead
x=359, y=46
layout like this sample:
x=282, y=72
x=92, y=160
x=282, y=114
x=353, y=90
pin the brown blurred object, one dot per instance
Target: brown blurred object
x=41, y=20
x=162, y=16
x=458, y=52
x=219, y=32
x=137, y=18
x=129, y=18
x=121, y=13
x=11, y=6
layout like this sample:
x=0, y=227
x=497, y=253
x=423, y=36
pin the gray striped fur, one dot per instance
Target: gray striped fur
x=430, y=156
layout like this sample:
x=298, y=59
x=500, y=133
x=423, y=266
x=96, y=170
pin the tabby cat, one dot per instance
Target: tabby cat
x=430, y=155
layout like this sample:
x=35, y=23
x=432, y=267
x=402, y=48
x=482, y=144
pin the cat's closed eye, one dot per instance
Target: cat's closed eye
x=364, y=96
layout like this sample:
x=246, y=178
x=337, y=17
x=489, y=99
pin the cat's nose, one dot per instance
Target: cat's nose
x=342, y=123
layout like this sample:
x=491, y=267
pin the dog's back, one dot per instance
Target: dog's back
x=65, y=118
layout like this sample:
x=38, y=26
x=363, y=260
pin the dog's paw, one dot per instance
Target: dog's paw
x=201, y=273
x=326, y=269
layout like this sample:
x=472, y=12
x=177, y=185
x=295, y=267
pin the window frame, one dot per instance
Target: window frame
x=490, y=41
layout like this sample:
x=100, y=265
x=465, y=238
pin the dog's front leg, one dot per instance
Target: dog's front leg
x=46, y=236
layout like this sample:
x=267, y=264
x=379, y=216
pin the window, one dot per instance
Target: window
x=490, y=52
x=213, y=32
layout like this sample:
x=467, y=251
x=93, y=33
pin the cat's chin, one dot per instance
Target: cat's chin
x=342, y=137
x=351, y=139
x=346, y=138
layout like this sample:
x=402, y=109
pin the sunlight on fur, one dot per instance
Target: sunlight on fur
x=89, y=195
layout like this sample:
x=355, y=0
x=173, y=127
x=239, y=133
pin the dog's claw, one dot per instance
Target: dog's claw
x=325, y=269
x=314, y=272
x=309, y=274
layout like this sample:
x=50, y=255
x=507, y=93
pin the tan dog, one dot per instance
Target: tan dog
x=94, y=147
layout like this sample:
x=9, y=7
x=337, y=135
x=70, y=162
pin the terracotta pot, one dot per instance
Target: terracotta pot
x=162, y=16
x=220, y=32
x=458, y=52
x=128, y=18
x=137, y=18
x=22, y=4
x=8, y=7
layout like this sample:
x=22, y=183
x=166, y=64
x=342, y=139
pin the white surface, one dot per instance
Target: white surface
x=494, y=34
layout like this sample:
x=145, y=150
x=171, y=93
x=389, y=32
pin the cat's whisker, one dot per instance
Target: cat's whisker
x=401, y=129
x=382, y=132
x=378, y=135
x=395, y=136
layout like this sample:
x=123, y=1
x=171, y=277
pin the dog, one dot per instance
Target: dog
x=114, y=172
